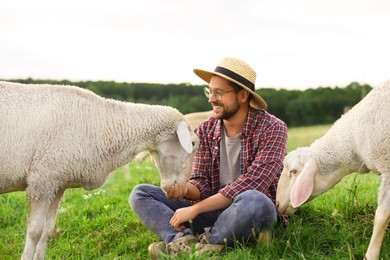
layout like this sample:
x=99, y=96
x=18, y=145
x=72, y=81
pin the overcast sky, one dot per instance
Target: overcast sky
x=293, y=44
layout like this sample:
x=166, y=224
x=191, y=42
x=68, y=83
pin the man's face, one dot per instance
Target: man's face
x=223, y=98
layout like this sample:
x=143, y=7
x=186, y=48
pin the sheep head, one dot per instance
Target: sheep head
x=301, y=180
x=173, y=157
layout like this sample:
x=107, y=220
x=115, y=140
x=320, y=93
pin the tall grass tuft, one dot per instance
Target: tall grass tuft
x=99, y=224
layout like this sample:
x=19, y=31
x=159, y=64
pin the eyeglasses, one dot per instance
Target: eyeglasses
x=217, y=94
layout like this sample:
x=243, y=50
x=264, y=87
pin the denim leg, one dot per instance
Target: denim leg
x=204, y=220
x=249, y=210
x=155, y=210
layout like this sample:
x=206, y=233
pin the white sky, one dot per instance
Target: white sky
x=293, y=44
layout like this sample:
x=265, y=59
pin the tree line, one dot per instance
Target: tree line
x=322, y=105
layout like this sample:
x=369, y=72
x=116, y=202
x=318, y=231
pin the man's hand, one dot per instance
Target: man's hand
x=181, y=216
x=177, y=191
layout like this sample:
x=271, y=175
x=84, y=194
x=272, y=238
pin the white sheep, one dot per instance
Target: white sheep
x=357, y=142
x=194, y=119
x=57, y=137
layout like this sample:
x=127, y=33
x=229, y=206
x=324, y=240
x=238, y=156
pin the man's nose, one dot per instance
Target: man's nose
x=212, y=98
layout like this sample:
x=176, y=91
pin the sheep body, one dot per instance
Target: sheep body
x=57, y=137
x=357, y=142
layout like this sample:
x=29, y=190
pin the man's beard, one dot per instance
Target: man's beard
x=229, y=112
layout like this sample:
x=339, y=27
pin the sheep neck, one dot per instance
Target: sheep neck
x=132, y=128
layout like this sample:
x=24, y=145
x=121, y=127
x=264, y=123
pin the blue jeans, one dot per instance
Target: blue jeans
x=250, y=211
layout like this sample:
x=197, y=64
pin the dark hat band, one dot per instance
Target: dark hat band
x=235, y=76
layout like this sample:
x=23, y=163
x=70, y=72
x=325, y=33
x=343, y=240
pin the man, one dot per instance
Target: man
x=231, y=193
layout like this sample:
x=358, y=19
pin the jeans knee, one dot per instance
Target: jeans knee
x=258, y=204
x=136, y=194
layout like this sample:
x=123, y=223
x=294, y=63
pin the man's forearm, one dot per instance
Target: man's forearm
x=192, y=192
x=215, y=202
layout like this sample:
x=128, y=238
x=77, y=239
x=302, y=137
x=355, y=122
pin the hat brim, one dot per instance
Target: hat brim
x=256, y=102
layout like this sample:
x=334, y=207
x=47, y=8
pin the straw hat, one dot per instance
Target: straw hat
x=239, y=72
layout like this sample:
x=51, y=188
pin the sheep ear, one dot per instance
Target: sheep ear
x=303, y=185
x=184, y=136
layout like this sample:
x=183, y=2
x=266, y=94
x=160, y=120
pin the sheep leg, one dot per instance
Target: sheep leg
x=48, y=226
x=35, y=225
x=382, y=217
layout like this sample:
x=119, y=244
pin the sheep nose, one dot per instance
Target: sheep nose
x=277, y=205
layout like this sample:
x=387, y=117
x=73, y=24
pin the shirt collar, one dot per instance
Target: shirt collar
x=248, y=124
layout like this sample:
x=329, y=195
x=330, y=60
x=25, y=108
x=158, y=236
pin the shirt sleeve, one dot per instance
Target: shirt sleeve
x=200, y=174
x=263, y=171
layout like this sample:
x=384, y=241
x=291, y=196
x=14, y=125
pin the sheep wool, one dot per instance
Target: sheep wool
x=357, y=142
x=56, y=137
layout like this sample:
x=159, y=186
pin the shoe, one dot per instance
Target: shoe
x=203, y=249
x=156, y=249
x=204, y=238
x=204, y=246
x=180, y=245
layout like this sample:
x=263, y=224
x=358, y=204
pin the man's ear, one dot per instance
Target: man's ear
x=243, y=95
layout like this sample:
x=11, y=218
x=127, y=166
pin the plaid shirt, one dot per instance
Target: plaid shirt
x=263, y=147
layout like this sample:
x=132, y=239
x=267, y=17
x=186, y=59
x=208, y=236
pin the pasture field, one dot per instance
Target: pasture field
x=99, y=224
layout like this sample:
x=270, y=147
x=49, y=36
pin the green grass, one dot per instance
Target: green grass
x=304, y=136
x=99, y=224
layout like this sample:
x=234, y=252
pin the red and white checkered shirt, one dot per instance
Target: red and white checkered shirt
x=263, y=147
